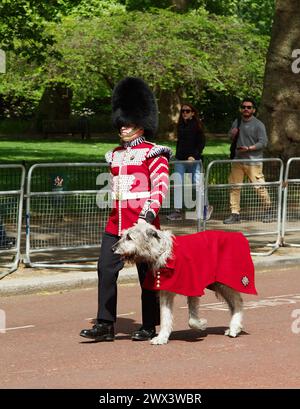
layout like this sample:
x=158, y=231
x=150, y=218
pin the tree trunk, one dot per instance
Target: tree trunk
x=180, y=5
x=280, y=110
x=169, y=106
x=54, y=104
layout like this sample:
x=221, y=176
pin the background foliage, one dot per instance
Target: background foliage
x=208, y=52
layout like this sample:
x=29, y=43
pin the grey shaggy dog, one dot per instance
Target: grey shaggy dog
x=144, y=243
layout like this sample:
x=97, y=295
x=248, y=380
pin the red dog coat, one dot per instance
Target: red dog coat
x=203, y=258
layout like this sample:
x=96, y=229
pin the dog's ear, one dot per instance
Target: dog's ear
x=152, y=233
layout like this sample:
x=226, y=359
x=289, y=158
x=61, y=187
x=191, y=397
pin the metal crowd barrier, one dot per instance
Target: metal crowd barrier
x=12, y=179
x=291, y=204
x=261, y=235
x=67, y=206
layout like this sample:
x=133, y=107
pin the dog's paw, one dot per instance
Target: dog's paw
x=198, y=324
x=233, y=332
x=159, y=340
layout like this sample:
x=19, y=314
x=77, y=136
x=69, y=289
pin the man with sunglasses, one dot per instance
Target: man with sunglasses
x=251, y=141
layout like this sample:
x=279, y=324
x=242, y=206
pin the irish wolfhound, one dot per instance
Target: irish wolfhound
x=189, y=264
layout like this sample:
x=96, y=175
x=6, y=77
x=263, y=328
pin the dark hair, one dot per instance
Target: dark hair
x=196, y=115
x=249, y=100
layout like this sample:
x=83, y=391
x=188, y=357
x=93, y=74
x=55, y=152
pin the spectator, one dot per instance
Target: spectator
x=189, y=148
x=251, y=141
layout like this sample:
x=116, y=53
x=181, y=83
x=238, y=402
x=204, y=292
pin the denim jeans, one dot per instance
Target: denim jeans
x=180, y=169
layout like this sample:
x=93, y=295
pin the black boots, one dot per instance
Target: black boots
x=143, y=334
x=105, y=332
x=99, y=332
x=234, y=218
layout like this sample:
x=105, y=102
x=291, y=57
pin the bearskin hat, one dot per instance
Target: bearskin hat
x=133, y=103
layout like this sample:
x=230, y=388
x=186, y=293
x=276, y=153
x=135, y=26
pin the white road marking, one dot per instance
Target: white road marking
x=119, y=315
x=126, y=313
x=272, y=301
x=14, y=328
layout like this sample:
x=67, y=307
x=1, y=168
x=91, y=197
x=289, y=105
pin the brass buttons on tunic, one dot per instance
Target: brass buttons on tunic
x=158, y=279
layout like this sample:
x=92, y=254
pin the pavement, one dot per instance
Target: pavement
x=26, y=280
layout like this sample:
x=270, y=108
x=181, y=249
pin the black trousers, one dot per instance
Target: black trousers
x=109, y=266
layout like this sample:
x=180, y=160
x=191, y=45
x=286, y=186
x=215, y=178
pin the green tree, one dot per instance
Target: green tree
x=174, y=5
x=259, y=13
x=22, y=25
x=196, y=56
x=95, y=8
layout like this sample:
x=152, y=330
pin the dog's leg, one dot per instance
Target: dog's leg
x=235, y=304
x=194, y=321
x=166, y=318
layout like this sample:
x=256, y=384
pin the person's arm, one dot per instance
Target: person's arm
x=201, y=141
x=198, y=143
x=262, y=139
x=233, y=130
x=159, y=177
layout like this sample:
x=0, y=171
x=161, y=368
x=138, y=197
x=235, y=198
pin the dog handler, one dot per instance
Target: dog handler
x=140, y=179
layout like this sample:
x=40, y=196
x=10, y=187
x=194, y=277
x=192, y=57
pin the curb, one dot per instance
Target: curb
x=284, y=261
x=88, y=279
x=59, y=282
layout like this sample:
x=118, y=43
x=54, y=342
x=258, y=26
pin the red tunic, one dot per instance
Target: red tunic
x=138, y=169
x=203, y=258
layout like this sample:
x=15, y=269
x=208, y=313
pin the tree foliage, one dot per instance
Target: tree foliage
x=259, y=13
x=194, y=52
x=208, y=54
x=174, y=5
x=22, y=24
x=96, y=8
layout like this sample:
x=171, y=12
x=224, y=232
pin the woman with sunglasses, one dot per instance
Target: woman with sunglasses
x=190, y=144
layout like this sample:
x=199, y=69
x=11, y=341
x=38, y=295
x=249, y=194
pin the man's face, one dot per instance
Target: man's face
x=247, y=109
x=129, y=133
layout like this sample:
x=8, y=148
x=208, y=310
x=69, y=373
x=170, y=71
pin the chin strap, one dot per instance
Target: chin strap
x=135, y=133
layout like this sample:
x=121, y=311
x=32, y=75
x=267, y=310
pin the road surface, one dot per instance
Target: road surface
x=40, y=346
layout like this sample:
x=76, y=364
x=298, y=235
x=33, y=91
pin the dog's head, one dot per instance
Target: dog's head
x=144, y=243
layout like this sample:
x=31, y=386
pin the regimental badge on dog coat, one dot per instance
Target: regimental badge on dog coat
x=201, y=259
